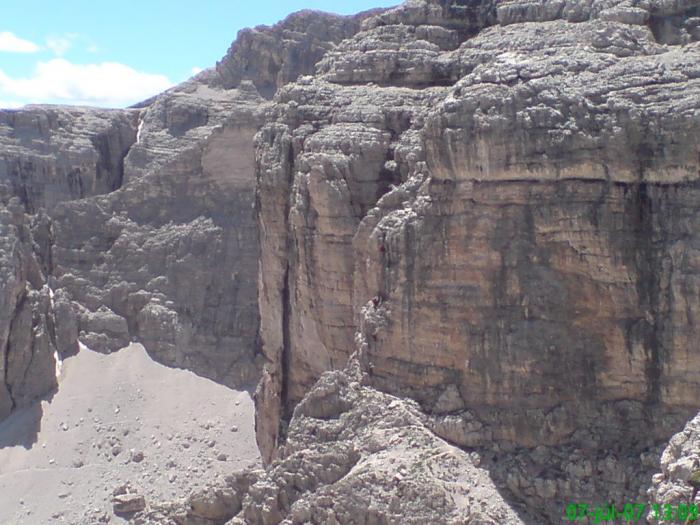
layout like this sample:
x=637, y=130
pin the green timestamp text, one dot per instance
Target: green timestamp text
x=630, y=512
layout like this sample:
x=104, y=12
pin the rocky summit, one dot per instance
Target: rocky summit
x=452, y=248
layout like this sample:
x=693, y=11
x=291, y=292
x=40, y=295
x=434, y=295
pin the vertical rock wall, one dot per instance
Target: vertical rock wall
x=492, y=204
x=498, y=200
x=149, y=229
x=48, y=155
x=37, y=327
x=52, y=154
x=170, y=259
x=151, y=232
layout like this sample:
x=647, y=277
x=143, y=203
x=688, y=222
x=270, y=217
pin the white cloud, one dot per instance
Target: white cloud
x=11, y=43
x=10, y=104
x=60, y=44
x=196, y=70
x=108, y=84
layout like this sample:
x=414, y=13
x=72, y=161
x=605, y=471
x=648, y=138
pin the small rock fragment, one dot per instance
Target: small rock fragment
x=128, y=503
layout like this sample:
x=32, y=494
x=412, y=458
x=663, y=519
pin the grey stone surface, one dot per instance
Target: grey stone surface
x=499, y=215
x=165, y=252
x=171, y=256
x=271, y=57
x=492, y=204
x=50, y=154
x=677, y=482
x=353, y=455
x=145, y=216
x=28, y=340
x=128, y=503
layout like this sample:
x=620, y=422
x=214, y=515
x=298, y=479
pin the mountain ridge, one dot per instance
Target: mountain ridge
x=487, y=208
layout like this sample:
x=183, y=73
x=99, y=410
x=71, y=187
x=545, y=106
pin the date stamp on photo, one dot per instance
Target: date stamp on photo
x=631, y=512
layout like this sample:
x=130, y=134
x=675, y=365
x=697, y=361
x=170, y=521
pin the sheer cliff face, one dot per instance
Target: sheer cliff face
x=170, y=258
x=150, y=233
x=492, y=205
x=36, y=325
x=53, y=154
x=495, y=205
x=148, y=214
x=555, y=226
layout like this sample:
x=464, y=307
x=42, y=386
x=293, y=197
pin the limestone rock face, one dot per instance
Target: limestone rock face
x=149, y=229
x=490, y=207
x=679, y=479
x=29, y=315
x=50, y=154
x=315, y=187
x=150, y=232
x=353, y=455
x=271, y=57
x=502, y=224
x=170, y=258
x=157, y=241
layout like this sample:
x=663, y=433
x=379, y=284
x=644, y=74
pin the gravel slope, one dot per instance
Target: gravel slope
x=119, y=418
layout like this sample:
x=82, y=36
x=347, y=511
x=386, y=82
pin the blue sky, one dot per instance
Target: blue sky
x=113, y=54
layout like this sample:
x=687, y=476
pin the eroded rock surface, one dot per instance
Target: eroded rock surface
x=36, y=326
x=163, y=196
x=679, y=479
x=50, y=154
x=151, y=219
x=353, y=455
x=495, y=204
x=491, y=204
x=170, y=258
x=271, y=57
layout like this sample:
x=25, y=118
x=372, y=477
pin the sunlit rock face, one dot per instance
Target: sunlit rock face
x=494, y=204
x=146, y=216
x=51, y=154
x=170, y=259
x=156, y=240
x=149, y=229
x=678, y=481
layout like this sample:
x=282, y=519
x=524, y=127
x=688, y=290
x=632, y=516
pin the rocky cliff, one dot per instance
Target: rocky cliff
x=150, y=210
x=148, y=217
x=354, y=455
x=494, y=205
x=679, y=480
x=37, y=327
x=140, y=261
x=488, y=207
x=141, y=205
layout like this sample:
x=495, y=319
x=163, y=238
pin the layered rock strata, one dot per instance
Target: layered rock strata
x=491, y=204
x=37, y=327
x=151, y=232
x=494, y=204
x=170, y=258
x=353, y=455
x=271, y=57
x=51, y=154
x=142, y=205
